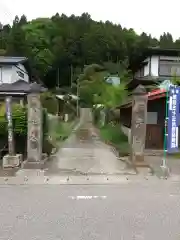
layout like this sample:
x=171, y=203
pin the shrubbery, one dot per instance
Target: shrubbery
x=96, y=115
x=50, y=102
x=112, y=134
x=20, y=123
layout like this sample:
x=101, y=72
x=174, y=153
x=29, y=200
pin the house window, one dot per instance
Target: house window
x=169, y=68
x=20, y=74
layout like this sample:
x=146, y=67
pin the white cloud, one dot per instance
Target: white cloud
x=153, y=16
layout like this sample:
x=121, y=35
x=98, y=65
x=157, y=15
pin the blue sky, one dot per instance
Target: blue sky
x=155, y=16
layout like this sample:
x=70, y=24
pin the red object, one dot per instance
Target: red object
x=154, y=94
x=157, y=93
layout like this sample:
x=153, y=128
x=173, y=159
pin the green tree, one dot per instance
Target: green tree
x=63, y=42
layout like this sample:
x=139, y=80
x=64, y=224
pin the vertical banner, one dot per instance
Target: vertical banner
x=173, y=119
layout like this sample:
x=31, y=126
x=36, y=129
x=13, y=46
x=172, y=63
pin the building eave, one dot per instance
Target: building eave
x=153, y=51
x=153, y=95
x=8, y=60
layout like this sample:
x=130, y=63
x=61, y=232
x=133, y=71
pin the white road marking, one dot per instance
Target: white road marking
x=87, y=197
x=174, y=195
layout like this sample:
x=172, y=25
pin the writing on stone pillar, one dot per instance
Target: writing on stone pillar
x=138, y=124
x=10, y=125
x=34, y=128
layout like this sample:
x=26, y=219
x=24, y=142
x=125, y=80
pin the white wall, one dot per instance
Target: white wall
x=5, y=74
x=16, y=76
x=152, y=67
x=9, y=74
x=146, y=67
x=155, y=66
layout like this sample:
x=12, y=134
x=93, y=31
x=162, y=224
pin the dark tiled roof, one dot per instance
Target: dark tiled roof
x=162, y=51
x=21, y=86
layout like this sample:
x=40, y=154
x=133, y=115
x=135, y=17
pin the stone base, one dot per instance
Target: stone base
x=165, y=172
x=141, y=164
x=35, y=165
x=139, y=158
x=12, y=161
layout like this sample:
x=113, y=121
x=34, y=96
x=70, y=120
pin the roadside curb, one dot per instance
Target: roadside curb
x=37, y=178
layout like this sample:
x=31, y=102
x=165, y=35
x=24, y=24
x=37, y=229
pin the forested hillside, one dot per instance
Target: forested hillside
x=72, y=42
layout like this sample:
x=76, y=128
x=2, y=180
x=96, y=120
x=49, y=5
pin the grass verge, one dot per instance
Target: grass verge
x=113, y=135
x=63, y=130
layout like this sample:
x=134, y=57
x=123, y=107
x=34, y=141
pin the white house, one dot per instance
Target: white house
x=13, y=69
x=114, y=80
x=156, y=62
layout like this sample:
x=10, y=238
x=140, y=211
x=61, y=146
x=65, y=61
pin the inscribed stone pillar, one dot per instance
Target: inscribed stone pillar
x=10, y=125
x=138, y=125
x=11, y=159
x=34, y=144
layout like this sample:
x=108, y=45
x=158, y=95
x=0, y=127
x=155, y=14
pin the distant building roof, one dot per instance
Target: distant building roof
x=114, y=80
x=74, y=97
x=150, y=51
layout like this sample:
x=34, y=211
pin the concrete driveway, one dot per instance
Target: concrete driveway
x=88, y=156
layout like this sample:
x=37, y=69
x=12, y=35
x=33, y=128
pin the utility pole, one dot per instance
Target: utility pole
x=71, y=75
x=58, y=77
x=77, y=93
x=58, y=91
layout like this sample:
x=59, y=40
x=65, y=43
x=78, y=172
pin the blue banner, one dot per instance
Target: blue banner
x=173, y=119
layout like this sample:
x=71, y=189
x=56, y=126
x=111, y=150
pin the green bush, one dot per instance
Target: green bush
x=96, y=115
x=20, y=123
x=19, y=117
x=112, y=133
x=50, y=102
x=3, y=126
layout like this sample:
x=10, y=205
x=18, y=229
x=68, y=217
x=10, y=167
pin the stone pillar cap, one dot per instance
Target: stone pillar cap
x=139, y=90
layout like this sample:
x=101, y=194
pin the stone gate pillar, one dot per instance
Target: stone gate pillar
x=138, y=125
x=12, y=159
x=34, y=141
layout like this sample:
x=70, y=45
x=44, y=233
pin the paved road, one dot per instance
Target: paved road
x=128, y=211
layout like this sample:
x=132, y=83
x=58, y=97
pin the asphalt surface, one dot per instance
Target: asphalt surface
x=145, y=210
